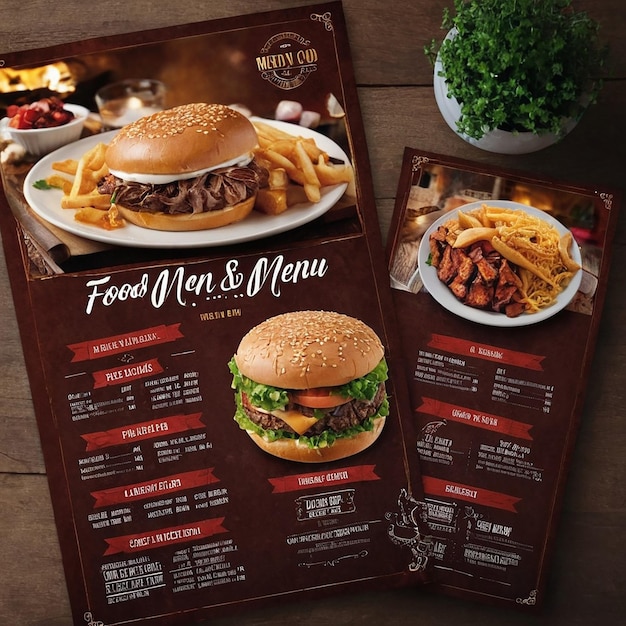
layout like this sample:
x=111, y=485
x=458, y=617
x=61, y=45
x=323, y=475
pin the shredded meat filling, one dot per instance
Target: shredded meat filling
x=209, y=192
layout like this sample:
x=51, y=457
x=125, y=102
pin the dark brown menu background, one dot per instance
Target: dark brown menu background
x=166, y=511
x=497, y=408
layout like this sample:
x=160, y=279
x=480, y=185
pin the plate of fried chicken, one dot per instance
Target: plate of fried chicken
x=477, y=283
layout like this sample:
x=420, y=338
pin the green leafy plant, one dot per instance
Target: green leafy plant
x=519, y=65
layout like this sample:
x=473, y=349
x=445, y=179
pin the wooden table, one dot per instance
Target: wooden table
x=587, y=581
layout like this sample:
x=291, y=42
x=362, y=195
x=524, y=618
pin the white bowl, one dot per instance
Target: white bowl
x=40, y=141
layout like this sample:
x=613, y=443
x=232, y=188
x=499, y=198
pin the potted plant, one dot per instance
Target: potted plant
x=515, y=77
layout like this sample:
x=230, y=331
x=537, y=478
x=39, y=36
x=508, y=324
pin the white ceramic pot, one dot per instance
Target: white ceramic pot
x=500, y=141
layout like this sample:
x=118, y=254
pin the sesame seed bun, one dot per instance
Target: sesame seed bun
x=184, y=139
x=308, y=349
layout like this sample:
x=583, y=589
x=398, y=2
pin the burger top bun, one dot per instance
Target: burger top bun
x=307, y=349
x=180, y=140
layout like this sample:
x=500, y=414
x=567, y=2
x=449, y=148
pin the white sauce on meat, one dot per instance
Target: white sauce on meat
x=162, y=179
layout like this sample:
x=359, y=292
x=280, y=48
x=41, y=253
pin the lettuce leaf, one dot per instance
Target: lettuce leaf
x=365, y=388
x=269, y=398
x=264, y=396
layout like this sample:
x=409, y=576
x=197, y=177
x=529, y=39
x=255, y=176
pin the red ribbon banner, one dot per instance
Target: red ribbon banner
x=458, y=491
x=154, y=488
x=341, y=476
x=145, y=430
x=126, y=373
x=117, y=344
x=478, y=419
x=197, y=531
x=486, y=352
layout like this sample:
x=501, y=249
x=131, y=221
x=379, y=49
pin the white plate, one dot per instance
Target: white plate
x=47, y=204
x=442, y=294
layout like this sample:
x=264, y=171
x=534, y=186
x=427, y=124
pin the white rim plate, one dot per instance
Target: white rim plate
x=442, y=294
x=47, y=204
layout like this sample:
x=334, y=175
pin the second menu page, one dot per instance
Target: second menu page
x=496, y=397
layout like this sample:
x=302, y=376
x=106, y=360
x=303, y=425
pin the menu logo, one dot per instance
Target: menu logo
x=286, y=60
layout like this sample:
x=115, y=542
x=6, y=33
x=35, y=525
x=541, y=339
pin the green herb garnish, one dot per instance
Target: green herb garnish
x=44, y=184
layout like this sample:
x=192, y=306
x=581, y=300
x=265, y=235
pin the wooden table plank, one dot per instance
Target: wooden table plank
x=387, y=38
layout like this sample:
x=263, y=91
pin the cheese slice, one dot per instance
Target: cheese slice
x=300, y=423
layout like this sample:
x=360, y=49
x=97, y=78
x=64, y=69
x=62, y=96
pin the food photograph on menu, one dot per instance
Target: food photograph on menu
x=497, y=251
x=322, y=374
x=200, y=151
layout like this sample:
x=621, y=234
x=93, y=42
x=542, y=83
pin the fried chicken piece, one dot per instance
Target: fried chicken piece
x=479, y=294
x=509, y=285
x=464, y=273
x=446, y=270
x=487, y=270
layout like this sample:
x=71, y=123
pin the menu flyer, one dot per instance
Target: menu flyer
x=141, y=342
x=496, y=389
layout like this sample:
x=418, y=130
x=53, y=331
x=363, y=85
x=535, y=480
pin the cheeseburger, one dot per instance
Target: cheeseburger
x=186, y=168
x=310, y=386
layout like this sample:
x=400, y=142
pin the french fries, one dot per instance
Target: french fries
x=66, y=167
x=466, y=221
x=565, y=243
x=94, y=200
x=56, y=180
x=96, y=217
x=273, y=199
x=81, y=192
x=473, y=234
x=312, y=183
x=511, y=254
x=502, y=227
x=303, y=169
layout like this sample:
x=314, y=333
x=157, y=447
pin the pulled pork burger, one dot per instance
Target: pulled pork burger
x=186, y=168
x=310, y=386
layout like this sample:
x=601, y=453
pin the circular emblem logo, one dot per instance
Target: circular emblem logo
x=286, y=60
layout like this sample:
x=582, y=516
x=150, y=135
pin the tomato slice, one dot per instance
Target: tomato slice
x=318, y=398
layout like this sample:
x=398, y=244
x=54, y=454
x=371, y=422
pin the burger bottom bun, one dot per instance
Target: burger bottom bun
x=290, y=450
x=188, y=221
